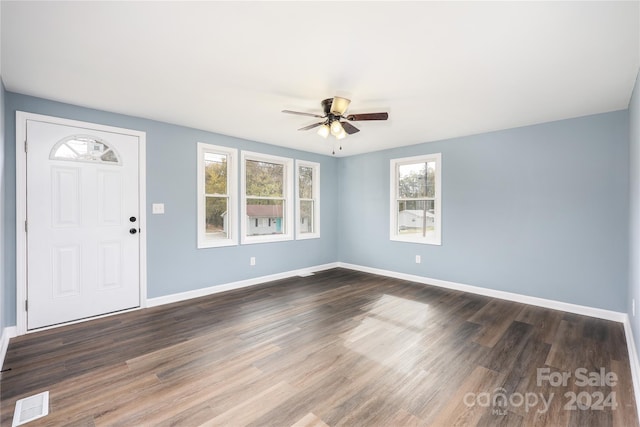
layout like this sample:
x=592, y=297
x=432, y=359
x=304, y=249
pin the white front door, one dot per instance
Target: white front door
x=83, y=246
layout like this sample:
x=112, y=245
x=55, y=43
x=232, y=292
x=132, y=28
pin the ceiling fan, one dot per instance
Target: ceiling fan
x=335, y=120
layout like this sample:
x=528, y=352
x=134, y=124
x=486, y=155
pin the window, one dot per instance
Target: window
x=416, y=199
x=267, y=198
x=308, y=200
x=217, y=189
x=84, y=148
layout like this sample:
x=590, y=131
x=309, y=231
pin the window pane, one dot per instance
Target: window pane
x=81, y=145
x=216, y=217
x=431, y=179
x=416, y=217
x=64, y=152
x=83, y=148
x=109, y=156
x=215, y=173
x=87, y=148
x=264, y=179
x=306, y=216
x=417, y=180
x=305, y=182
x=265, y=217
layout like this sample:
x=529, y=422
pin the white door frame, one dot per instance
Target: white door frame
x=21, y=207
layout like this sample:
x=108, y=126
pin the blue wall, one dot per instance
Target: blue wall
x=173, y=262
x=540, y=210
x=634, y=210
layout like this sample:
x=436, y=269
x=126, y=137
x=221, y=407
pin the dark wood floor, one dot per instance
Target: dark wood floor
x=336, y=348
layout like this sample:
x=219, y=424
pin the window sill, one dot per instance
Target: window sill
x=421, y=241
x=306, y=236
x=249, y=240
x=205, y=244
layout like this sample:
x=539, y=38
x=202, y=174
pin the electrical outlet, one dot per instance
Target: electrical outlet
x=418, y=259
x=252, y=261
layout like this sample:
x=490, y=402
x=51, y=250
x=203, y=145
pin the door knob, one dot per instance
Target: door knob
x=133, y=231
x=132, y=219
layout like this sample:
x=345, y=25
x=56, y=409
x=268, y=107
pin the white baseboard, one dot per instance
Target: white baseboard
x=8, y=333
x=633, y=361
x=196, y=293
x=509, y=296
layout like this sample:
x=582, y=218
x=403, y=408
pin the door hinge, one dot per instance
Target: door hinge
x=25, y=145
x=26, y=305
x=25, y=226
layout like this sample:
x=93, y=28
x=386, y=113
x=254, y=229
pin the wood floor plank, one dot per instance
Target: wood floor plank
x=495, y=318
x=544, y=321
x=324, y=393
x=404, y=418
x=310, y=420
x=458, y=411
x=509, y=419
x=626, y=405
x=160, y=402
x=193, y=416
x=253, y=407
x=566, y=347
x=507, y=350
x=523, y=376
x=336, y=348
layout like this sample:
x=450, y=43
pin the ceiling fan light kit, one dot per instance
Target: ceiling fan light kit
x=336, y=128
x=324, y=131
x=339, y=105
x=335, y=121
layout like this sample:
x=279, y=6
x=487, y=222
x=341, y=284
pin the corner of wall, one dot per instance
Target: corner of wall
x=633, y=327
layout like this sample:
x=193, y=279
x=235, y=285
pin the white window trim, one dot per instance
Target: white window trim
x=316, y=200
x=288, y=196
x=393, y=218
x=232, y=191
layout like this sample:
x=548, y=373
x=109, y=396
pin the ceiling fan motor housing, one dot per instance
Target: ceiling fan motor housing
x=326, y=105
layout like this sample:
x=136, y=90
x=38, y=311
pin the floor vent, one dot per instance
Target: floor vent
x=31, y=408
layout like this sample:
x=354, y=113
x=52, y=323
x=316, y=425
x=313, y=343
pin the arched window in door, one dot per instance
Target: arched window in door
x=85, y=148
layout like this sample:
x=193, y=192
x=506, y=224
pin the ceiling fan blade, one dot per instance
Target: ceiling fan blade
x=368, y=116
x=349, y=128
x=311, y=126
x=301, y=114
x=339, y=105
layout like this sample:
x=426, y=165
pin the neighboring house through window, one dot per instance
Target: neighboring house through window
x=308, y=200
x=416, y=199
x=267, y=198
x=217, y=190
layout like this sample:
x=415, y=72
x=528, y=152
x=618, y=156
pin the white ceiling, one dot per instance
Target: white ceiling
x=441, y=69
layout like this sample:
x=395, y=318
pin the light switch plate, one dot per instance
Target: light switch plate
x=157, y=208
